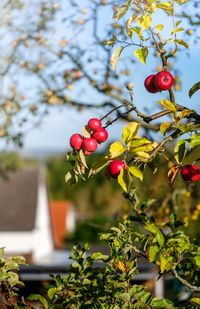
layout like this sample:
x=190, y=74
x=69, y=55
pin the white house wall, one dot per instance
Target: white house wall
x=42, y=240
x=17, y=242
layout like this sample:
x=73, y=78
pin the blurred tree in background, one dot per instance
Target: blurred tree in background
x=52, y=53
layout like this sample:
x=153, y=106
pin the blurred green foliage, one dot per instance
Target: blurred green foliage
x=89, y=229
x=102, y=196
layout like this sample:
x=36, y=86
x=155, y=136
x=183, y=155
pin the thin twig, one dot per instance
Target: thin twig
x=185, y=282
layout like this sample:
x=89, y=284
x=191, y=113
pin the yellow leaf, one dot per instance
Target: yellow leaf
x=122, y=180
x=130, y=131
x=120, y=265
x=168, y=105
x=195, y=301
x=159, y=27
x=164, y=127
x=142, y=54
x=165, y=6
x=135, y=171
x=143, y=154
x=165, y=265
x=116, y=149
x=145, y=21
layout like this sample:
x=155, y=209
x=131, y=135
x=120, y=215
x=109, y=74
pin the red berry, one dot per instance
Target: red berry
x=190, y=172
x=101, y=135
x=90, y=144
x=94, y=124
x=115, y=167
x=150, y=84
x=76, y=141
x=164, y=80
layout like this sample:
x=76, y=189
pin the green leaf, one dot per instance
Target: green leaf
x=175, y=30
x=137, y=30
x=115, y=57
x=51, y=292
x=142, y=54
x=13, y=278
x=183, y=43
x=123, y=180
x=11, y=265
x=123, y=296
x=197, y=260
x=152, y=252
x=99, y=256
x=162, y=304
x=168, y=105
x=164, y=127
x=194, y=140
x=145, y=21
x=130, y=131
x=141, y=144
x=110, y=42
x=180, y=151
x=151, y=227
x=135, y=171
x=17, y=259
x=40, y=298
x=194, y=89
x=86, y=281
x=116, y=149
x=159, y=27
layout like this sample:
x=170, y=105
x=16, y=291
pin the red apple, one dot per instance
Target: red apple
x=115, y=167
x=164, y=80
x=94, y=124
x=150, y=84
x=90, y=144
x=76, y=141
x=190, y=172
x=101, y=135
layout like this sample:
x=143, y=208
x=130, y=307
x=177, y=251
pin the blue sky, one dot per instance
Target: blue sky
x=61, y=123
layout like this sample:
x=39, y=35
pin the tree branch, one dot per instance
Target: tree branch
x=185, y=282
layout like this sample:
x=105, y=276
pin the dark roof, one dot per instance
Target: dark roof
x=18, y=200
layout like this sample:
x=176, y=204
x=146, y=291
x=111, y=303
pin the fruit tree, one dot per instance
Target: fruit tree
x=139, y=235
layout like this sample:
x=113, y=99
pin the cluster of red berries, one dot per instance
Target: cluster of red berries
x=89, y=144
x=159, y=82
x=190, y=172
